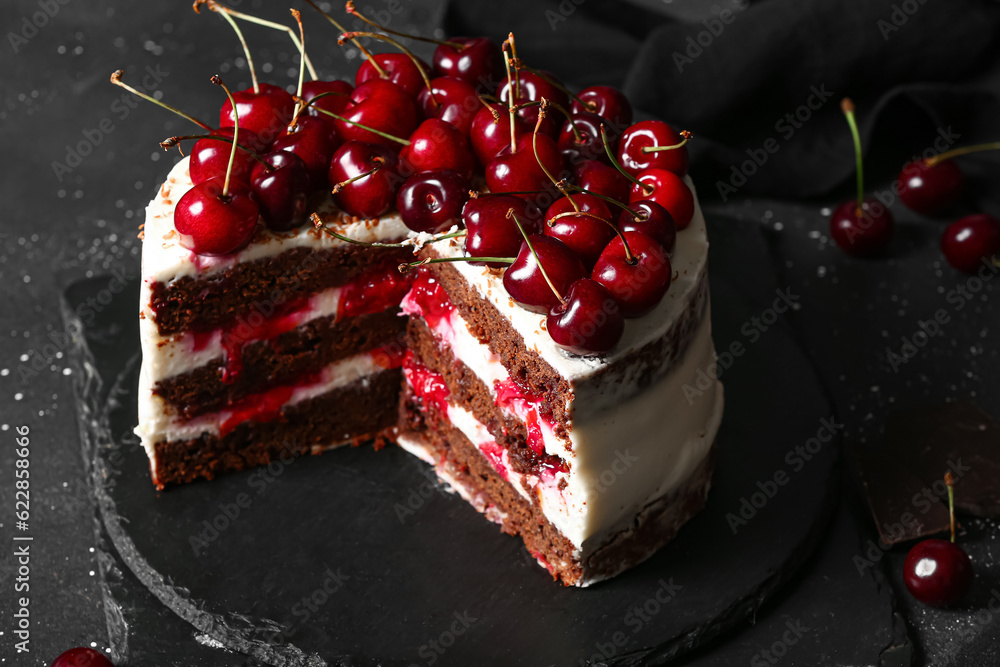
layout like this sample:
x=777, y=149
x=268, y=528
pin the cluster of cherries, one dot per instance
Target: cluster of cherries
x=929, y=186
x=581, y=208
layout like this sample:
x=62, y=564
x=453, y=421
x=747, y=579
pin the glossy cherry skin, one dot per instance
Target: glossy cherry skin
x=589, y=147
x=82, y=657
x=520, y=171
x=491, y=233
x=490, y=134
x=937, y=572
x=436, y=144
x=587, y=321
x=432, y=201
x=335, y=103
x=281, y=192
x=639, y=287
x=864, y=235
x=607, y=102
x=210, y=224
x=649, y=133
x=532, y=89
x=655, y=222
x=584, y=234
x=930, y=190
x=381, y=105
x=315, y=141
x=966, y=243
x=603, y=179
x=524, y=281
x=454, y=102
x=369, y=196
x=478, y=63
x=669, y=191
x=265, y=113
x=210, y=157
x=399, y=68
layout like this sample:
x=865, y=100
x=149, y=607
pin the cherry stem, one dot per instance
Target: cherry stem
x=404, y=268
x=486, y=103
x=320, y=224
x=357, y=43
x=409, y=54
x=847, y=106
x=637, y=215
x=509, y=43
x=629, y=257
x=655, y=149
x=297, y=15
x=531, y=248
x=380, y=133
x=515, y=192
x=379, y=163
x=216, y=7
x=354, y=12
x=552, y=82
x=236, y=132
x=955, y=152
x=116, y=78
x=576, y=133
x=646, y=187
x=534, y=148
x=949, y=481
x=170, y=142
x=510, y=103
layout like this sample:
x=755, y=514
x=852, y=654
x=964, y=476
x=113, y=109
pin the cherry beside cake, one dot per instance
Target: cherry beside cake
x=508, y=281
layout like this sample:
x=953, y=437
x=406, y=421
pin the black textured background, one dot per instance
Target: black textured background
x=936, y=71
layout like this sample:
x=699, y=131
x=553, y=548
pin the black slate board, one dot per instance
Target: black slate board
x=410, y=587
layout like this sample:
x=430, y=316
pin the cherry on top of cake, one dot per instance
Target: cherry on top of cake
x=581, y=210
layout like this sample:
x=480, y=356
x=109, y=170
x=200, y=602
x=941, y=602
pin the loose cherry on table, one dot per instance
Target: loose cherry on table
x=669, y=191
x=928, y=188
x=315, y=141
x=588, y=320
x=586, y=229
x=381, y=105
x=861, y=227
x=431, y=201
x=604, y=180
x=633, y=153
x=436, y=144
x=474, y=60
x=968, y=242
x=491, y=232
x=82, y=657
x=490, y=131
x=451, y=100
x=281, y=189
x=525, y=281
x=399, y=68
x=652, y=220
x=364, y=177
x=607, y=102
x=638, y=277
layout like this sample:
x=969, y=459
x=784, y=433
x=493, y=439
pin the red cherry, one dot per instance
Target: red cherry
x=281, y=192
x=489, y=135
x=864, y=235
x=478, y=62
x=314, y=140
x=584, y=234
x=491, y=233
x=649, y=133
x=589, y=147
x=210, y=157
x=937, y=572
x=602, y=179
x=588, y=320
x=438, y=145
x=607, y=102
x=524, y=281
x=333, y=103
x=82, y=657
x=432, y=201
x=655, y=222
x=212, y=224
x=639, y=286
x=265, y=113
x=398, y=67
x=532, y=89
x=669, y=191
x=454, y=101
x=520, y=171
x=381, y=105
x=966, y=243
x=929, y=190
x=369, y=196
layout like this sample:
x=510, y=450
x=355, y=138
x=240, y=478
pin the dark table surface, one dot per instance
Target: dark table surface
x=82, y=163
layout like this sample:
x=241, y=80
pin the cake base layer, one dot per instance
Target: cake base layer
x=459, y=463
x=363, y=410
